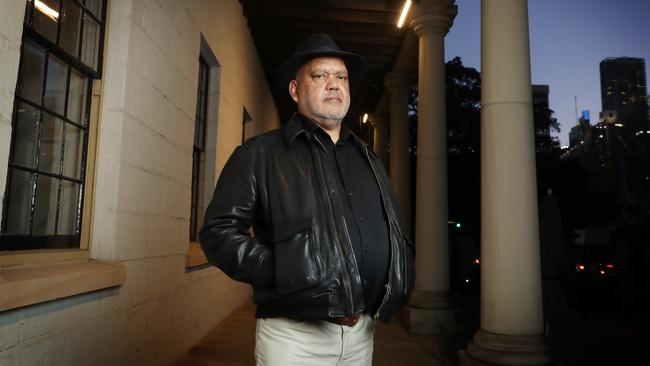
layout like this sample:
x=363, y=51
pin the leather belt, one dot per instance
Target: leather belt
x=348, y=321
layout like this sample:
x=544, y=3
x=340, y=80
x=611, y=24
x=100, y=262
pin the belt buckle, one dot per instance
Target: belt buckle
x=348, y=321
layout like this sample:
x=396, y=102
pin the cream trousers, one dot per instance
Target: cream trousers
x=287, y=342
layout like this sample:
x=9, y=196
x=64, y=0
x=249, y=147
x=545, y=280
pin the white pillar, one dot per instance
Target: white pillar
x=511, y=330
x=400, y=162
x=430, y=311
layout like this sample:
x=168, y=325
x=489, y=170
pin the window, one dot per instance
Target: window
x=199, y=144
x=60, y=57
x=204, y=157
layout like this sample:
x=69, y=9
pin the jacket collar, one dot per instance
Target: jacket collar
x=296, y=127
x=292, y=129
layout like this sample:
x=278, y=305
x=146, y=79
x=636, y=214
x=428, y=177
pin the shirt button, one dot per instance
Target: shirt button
x=351, y=194
x=365, y=282
x=360, y=218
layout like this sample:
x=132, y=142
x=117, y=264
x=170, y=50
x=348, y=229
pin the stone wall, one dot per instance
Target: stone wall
x=143, y=183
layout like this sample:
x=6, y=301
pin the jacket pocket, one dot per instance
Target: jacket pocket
x=296, y=266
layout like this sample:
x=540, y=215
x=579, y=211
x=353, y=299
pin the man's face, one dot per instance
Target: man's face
x=321, y=91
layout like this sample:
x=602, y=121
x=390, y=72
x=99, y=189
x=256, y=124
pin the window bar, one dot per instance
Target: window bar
x=196, y=157
x=84, y=160
x=53, y=113
x=100, y=54
x=81, y=34
x=90, y=13
x=77, y=220
x=58, y=23
x=59, y=182
x=38, y=144
x=51, y=175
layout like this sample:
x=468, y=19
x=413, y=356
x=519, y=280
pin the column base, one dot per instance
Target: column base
x=430, y=313
x=489, y=349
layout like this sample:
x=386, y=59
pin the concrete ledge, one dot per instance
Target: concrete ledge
x=195, y=256
x=26, y=286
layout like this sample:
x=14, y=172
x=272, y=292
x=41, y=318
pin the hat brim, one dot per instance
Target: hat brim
x=356, y=65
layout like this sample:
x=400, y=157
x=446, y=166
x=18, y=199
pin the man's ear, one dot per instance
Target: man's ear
x=293, y=90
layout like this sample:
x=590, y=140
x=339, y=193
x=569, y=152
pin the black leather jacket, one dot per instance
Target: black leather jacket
x=300, y=261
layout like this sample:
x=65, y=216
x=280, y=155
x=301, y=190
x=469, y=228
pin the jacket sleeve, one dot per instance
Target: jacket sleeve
x=224, y=236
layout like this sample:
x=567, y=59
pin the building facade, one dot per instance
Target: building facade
x=623, y=89
x=116, y=118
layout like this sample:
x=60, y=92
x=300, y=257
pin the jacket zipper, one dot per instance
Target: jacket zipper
x=390, y=236
x=346, y=274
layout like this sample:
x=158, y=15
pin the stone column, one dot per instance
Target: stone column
x=430, y=311
x=511, y=330
x=399, y=160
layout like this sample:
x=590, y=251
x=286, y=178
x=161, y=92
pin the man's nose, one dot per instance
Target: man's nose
x=333, y=82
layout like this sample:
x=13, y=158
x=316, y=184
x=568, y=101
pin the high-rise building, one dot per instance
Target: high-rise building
x=623, y=89
x=580, y=134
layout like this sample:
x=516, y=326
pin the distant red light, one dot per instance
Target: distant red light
x=609, y=266
x=580, y=267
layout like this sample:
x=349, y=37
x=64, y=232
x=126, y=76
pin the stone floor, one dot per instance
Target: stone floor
x=233, y=341
x=593, y=340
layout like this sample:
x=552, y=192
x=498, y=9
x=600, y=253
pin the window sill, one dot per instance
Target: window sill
x=26, y=286
x=195, y=256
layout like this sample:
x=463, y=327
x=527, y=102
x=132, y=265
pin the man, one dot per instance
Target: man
x=328, y=253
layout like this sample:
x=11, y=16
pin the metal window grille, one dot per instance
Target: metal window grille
x=61, y=53
x=199, y=143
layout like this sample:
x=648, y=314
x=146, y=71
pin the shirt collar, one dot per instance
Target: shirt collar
x=299, y=124
x=309, y=125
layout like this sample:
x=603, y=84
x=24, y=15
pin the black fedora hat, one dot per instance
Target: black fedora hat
x=318, y=45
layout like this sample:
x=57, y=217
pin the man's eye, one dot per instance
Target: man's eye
x=319, y=76
x=343, y=77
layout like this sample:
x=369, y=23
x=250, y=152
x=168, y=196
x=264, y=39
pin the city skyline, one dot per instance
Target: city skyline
x=568, y=40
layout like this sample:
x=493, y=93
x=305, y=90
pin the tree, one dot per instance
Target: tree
x=463, y=91
x=545, y=123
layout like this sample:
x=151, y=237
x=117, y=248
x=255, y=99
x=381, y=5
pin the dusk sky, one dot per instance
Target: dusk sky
x=568, y=39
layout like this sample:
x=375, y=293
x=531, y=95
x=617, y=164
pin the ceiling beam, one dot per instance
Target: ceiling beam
x=311, y=12
x=263, y=24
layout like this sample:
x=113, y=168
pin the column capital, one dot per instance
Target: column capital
x=434, y=17
x=377, y=121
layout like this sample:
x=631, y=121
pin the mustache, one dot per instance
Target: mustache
x=334, y=94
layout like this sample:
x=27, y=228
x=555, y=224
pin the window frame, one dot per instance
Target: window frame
x=194, y=257
x=89, y=124
x=199, y=144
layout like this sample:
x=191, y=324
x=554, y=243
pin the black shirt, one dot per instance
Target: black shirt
x=363, y=210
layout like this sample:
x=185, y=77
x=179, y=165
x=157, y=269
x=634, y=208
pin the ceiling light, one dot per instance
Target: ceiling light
x=405, y=10
x=43, y=8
